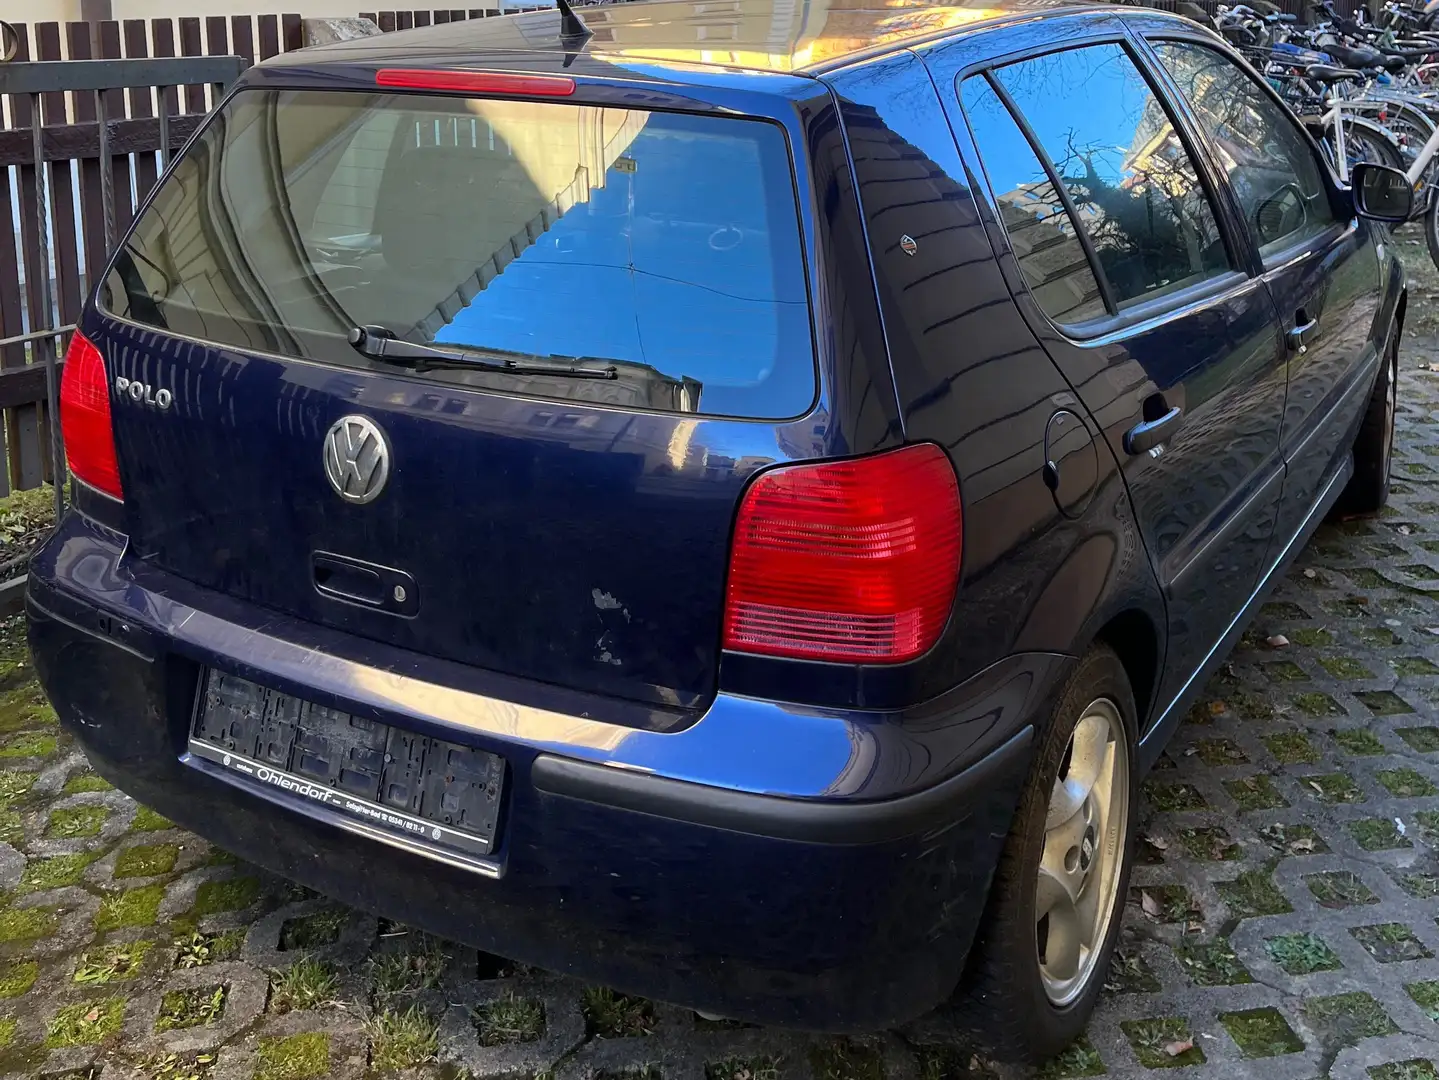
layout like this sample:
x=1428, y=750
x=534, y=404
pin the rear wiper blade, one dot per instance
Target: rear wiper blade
x=378, y=343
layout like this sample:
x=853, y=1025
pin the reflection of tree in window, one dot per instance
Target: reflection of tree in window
x=1128, y=173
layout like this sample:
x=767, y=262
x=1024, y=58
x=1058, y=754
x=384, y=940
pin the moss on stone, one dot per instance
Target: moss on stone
x=85, y=1023
x=146, y=860
x=133, y=907
x=55, y=872
x=1360, y=741
x=28, y=744
x=146, y=820
x=1255, y=793
x=1261, y=1032
x=84, y=782
x=17, y=976
x=71, y=822
x=1162, y=1042
x=295, y=1057
x=228, y=894
x=27, y=924
x=1302, y=954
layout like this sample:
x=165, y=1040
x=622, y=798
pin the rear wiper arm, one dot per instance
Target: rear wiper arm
x=378, y=343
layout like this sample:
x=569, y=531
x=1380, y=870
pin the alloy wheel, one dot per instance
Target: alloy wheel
x=1084, y=848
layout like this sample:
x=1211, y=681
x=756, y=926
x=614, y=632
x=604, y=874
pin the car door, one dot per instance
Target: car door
x=1321, y=269
x=1133, y=276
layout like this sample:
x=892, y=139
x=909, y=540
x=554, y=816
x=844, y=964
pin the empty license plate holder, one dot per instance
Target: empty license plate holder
x=438, y=793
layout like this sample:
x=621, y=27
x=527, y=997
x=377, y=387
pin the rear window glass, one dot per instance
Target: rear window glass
x=665, y=244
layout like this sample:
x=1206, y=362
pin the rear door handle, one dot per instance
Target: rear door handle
x=1144, y=437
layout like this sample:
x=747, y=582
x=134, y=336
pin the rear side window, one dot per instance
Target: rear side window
x=1127, y=173
x=665, y=244
x=1041, y=232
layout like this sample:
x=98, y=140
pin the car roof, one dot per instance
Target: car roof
x=763, y=35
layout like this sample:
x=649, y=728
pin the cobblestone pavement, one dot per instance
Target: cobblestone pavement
x=1282, y=920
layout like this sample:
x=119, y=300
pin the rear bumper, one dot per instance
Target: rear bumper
x=768, y=904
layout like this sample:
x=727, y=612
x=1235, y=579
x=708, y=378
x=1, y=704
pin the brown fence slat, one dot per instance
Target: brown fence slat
x=141, y=107
x=269, y=36
x=442, y=17
x=190, y=46
x=422, y=18
x=404, y=19
x=217, y=35
x=372, y=16
x=242, y=35
x=66, y=142
x=292, y=33
x=386, y=21
x=92, y=213
x=22, y=424
x=115, y=110
x=68, y=294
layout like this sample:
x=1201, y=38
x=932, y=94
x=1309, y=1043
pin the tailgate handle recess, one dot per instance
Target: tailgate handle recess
x=367, y=584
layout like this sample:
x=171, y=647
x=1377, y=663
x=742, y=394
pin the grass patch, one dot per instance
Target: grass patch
x=1294, y=839
x=1209, y=842
x=1253, y=893
x=305, y=984
x=1129, y=974
x=1285, y=671
x=85, y=782
x=229, y=894
x=609, y=1015
x=1390, y=943
x=313, y=931
x=1419, y=886
x=1282, y=611
x=1317, y=703
x=146, y=860
x=55, y=872
x=1255, y=793
x=27, y=924
x=133, y=907
x=100, y=966
x=85, y=1023
x=1220, y=752
x=1291, y=748
x=1406, y=783
x=1160, y=1042
x=1407, y=666
x=1426, y=996
x=846, y=1059
x=1302, y=954
x=1345, y=667
x=1339, y=889
x=1333, y=787
x=509, y=1019
x=933, y=1066
x=17, y=977
x=201, y=950
x=402, y=1040
x=1423, y=739
x=1413, y=1069
x=1214, y=964
x=1377, y=834
x=1261, y=1033
x=1312, y=637
x=15, y=785
x=1166, y=903
x=146, y=820
x=1173, y=797
x=28, y=744
x=191, y=1008
x=1079, y=1058
x=1383, y=702
x=420, y=965
x=72, y=822
x=1344, y=1019
x=294, y=1057
x=1359, y=741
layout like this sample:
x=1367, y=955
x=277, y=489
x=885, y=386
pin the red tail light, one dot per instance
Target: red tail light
x=476, y=82
x=85, y=418
x=854, y=561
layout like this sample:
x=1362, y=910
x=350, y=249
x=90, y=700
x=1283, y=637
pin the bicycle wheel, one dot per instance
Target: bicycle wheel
x=1365, y=140
x=1431, y=228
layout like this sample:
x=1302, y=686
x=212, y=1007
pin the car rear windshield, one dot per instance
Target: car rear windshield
x=664, y=244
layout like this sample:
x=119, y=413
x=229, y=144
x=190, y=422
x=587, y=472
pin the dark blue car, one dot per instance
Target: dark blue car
x=721, y=500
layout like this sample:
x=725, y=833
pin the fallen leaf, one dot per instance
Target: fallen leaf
x=1434, y=367
x=1157, y=842
x=1218, y=707
x=1178, y=1047
x=1399, y=824
x=1302, y=845
x=1149, y=904
x=1403, y=530
x=92, y=1016
x=1278, y=641
x=1317, y=786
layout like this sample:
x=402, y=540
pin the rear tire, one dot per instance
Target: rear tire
x=1030, y=988
x=1431, y=227
x=1365, y=140
x=1368, y=489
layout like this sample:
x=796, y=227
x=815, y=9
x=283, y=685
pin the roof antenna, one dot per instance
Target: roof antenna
x=571, y=25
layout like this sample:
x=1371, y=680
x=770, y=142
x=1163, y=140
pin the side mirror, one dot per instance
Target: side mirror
x=1381, y=192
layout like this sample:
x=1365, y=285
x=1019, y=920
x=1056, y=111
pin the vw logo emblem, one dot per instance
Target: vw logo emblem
x=357, y=458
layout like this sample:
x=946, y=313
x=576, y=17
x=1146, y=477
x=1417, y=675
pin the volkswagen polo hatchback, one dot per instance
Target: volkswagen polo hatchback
x=724, y=501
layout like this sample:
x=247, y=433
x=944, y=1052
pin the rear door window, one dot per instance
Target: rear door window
x=1111, y=144
x=666, y=244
